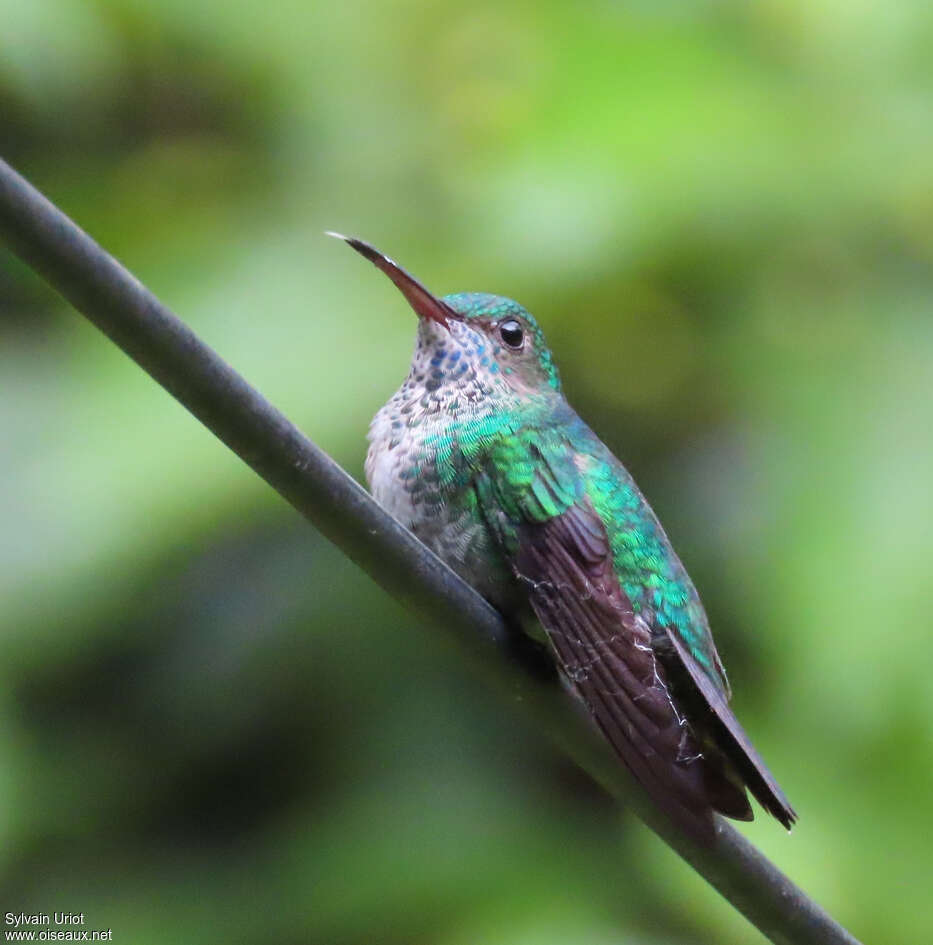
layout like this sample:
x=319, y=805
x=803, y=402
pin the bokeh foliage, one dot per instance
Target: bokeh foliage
x=212, y=727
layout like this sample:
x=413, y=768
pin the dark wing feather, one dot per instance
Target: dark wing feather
x=640, y=682
x=731, y=739
x=606, y=655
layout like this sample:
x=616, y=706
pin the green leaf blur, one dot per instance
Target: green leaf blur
x=213, y=728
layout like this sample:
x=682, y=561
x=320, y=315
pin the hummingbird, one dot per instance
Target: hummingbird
x=480, y=455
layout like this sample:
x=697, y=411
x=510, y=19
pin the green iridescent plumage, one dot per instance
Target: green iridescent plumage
x=526, y=460
x=650, y=572
x=480, y=455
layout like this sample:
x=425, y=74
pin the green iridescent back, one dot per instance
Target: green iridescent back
x=648, y=568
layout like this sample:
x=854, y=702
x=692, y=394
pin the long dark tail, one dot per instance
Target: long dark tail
x=723, y=729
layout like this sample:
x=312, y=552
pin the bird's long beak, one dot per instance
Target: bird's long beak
x=423, y=302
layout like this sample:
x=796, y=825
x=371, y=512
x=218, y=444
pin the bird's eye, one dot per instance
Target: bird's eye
x=511, y=333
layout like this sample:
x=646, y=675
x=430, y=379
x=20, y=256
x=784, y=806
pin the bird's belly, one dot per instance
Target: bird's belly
x=384, y=472
x=446, y=521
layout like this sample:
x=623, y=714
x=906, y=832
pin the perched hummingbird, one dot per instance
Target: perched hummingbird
x=479, y=454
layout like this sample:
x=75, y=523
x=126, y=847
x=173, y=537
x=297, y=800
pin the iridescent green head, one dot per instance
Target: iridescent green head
x=471, y=336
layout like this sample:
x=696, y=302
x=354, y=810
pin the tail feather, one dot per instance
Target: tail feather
x=735, y=745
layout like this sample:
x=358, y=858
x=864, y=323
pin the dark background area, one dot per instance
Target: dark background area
x=213, y=728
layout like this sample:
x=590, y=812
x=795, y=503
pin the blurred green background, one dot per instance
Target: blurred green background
x=213, y=728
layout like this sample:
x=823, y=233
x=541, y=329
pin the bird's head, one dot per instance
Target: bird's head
x=471, y=334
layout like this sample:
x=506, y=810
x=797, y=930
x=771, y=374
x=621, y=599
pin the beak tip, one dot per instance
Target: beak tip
x=362, y=247
x=421, y=300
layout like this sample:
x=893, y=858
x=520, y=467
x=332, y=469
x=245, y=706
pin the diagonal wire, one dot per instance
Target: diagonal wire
x=238, y=415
